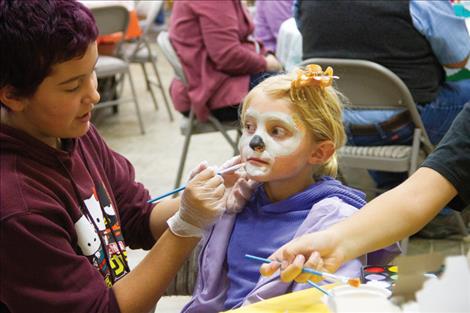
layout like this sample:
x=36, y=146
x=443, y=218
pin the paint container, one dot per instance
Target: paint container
x=365, y=298
x=379, y=276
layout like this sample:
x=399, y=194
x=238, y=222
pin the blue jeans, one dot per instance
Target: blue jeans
x=437, y=116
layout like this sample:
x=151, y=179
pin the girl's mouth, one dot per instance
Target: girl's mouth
x=256, y=160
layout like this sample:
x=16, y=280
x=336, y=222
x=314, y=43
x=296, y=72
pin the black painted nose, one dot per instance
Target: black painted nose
x=257, y=143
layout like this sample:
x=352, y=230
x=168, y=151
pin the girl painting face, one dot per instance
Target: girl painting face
x=275, y=144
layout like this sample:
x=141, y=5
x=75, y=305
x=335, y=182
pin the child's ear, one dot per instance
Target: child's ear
x=10, y=99
x=322, y=152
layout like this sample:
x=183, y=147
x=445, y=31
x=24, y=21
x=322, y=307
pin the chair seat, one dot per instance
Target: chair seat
x=142, y=56
x=386, y=158
x=207, y=127
x=108, y=66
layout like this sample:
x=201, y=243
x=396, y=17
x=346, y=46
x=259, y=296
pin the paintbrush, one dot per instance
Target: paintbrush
x=311, y=283
x=224, y=171
x=355, y=282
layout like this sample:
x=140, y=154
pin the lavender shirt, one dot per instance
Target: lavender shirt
x=268, y=19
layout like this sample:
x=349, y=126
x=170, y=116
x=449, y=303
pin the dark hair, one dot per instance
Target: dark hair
x=37, y=34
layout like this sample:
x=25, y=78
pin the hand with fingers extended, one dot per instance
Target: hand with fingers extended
x=202, y=203
x=239, y=187
x=319, y=250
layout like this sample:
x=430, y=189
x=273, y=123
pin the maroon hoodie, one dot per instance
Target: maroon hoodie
x=64, y=217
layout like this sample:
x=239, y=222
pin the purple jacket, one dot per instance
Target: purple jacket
x=212, y=282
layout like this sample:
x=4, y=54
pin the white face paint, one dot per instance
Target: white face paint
x=281, y=136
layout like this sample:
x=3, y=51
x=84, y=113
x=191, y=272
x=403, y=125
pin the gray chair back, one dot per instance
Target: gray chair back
x=369, y=85
x=111, y=19
x=151, y=9
x=163, y=41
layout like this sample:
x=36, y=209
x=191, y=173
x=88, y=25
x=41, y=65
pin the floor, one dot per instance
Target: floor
x=155, y=156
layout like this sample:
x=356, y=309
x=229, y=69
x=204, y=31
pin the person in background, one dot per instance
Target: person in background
x=269, y=16
x=292, y=128
x=414, y=39
x=442, y=180
x=221, y=60
x=69, y=204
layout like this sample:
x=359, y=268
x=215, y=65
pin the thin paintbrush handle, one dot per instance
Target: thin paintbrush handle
x=224, y=171
x=311, y=283
x=305, y=269
x=166, y=194
x=264, y=260
x=325, y=274
x=231, y=169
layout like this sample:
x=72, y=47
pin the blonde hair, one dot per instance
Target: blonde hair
x=319, y=108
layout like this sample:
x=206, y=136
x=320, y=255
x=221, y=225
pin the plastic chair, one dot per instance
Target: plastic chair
x=191, y=126
x=141, y=53
x=110, y=20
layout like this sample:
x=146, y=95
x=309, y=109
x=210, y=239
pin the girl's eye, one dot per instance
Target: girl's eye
x=250, y=127
x=278, y=131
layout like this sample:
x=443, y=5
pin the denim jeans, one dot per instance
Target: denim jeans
x=437, y=116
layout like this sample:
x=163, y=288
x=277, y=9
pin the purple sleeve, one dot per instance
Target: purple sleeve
x=220, y=30
x=268, y=19
x=41, y=272
x=131, y=197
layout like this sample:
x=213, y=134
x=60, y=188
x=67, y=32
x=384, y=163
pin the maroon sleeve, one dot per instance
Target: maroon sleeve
x=131, y=196
x=41, y=272
x=219, y=25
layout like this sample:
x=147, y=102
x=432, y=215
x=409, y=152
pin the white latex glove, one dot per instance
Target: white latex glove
x=202, y=203
x=239, y=188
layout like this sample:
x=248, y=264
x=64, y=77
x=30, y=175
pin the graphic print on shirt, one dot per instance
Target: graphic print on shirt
x=90, y=245
x=118, y=263
x=112, y=263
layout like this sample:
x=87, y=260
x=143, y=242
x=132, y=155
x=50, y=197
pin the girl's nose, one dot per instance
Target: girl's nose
x=257, y=143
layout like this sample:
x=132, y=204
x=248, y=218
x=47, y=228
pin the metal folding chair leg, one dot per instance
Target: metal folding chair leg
x=237, y=140
x=460, y=223
x=147, y=80
x=404, y=245
x=136, y=102
x=162, y=90
x=218, y=126
x=184, y=154
x=149, y=86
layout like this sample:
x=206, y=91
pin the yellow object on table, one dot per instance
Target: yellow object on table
x=304, y=301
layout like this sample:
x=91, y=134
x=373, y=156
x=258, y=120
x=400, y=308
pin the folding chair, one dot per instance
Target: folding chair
x=114, y=19
x=369, y=85
x=141, y=53
x=191, y=126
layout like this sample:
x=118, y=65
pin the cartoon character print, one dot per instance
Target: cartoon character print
x=90, y=244
x=108, y=208
x=94, y=208
x=117, y=260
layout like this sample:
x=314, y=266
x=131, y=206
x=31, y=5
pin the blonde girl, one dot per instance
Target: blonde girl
x=291, y=131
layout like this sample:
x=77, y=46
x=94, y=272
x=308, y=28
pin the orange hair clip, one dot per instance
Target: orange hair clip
x=313, y=75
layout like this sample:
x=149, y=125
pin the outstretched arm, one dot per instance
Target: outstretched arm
x=388, y=218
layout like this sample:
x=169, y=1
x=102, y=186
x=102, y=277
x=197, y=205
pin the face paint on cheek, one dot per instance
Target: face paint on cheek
x=273, y=148
x=287, y=146
x=254, y=171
